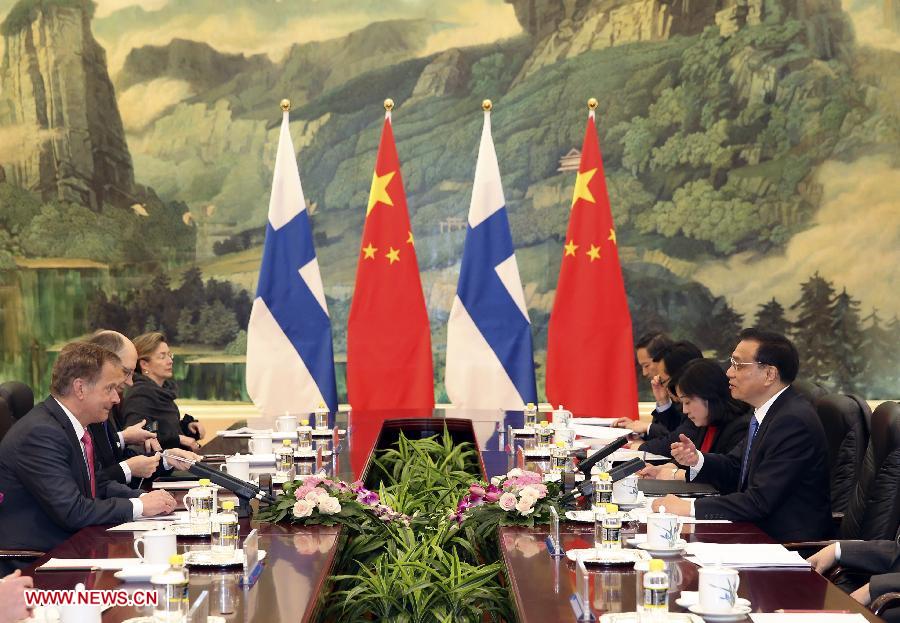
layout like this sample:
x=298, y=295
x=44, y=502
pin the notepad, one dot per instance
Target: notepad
x=77, y=564
x=140, y=526
x=745, y=555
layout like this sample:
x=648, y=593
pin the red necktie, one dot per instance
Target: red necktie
x=89, y=454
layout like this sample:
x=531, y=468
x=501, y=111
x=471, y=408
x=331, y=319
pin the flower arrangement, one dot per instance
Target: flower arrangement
x=518, y=498
x=318, y=500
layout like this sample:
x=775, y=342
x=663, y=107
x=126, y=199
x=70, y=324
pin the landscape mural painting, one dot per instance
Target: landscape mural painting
x=752, y=150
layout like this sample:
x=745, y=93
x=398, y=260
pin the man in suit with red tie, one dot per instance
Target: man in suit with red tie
x=777, y=478
x=47, y=475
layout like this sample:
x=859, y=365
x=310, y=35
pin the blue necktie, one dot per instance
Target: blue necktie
x=751, y=433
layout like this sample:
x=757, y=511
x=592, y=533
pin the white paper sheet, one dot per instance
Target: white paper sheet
x=597, y=421
x=807, y=617
x=597, y=432
x=745, y=555
x=140, y=526
x=60, y=564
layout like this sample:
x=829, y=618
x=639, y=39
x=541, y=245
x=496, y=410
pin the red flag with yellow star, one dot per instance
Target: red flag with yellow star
x=590, y=365
x=388, y=335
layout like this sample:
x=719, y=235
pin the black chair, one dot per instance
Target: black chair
x=846, y=420
x=873, y=510
x=6, y=418
x=810, y=390
x=18, y=396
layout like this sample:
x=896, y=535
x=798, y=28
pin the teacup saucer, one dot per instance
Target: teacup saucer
x=658, y=550
x=689, y=598
x=737, y=613
x=640, y=501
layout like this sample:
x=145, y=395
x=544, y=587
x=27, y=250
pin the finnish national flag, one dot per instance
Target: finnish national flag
x=290, y=361
x=490, y=358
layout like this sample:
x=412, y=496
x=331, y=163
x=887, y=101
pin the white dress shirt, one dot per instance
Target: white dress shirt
x=137, y=505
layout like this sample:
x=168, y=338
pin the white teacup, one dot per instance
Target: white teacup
x=718, y=588
x=79, y=613
x=562, y=416
x=158, y=547
x=261, y=444
x=663, y=529
x=237, y=466
x=625, y=491
x=286, y=423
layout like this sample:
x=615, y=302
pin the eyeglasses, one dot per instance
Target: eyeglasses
x=129, y=372
x=737, y=365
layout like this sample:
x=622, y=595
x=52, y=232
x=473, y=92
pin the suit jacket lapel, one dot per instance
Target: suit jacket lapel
x=767, y=423
x=79, y=466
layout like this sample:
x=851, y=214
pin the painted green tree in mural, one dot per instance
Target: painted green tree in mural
x=770, y=317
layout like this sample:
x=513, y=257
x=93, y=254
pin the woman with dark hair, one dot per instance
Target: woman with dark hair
x=721, y=421
x=152, y=397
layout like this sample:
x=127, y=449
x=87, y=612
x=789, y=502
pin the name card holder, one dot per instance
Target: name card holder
x=554, y=545
x=581, y=600
x=252, y=564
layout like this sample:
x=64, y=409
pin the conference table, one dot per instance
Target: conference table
x=299, y=559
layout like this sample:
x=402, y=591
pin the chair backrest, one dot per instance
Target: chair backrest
x=873, y=511
x=18, y=396
x=810, y=390
x=846, y=420
x=6, y=418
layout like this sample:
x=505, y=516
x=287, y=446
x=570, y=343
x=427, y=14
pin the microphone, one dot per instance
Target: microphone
x=586, y=488
x=586, y=465
x=626, y=469
x=239, y=487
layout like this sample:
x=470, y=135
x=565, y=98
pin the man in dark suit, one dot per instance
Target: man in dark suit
x=879, y=558
x=47, y=475
x=115, y=460
x=777, y=478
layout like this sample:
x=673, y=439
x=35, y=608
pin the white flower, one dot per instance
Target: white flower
x=531, y=492
x=507, y=501
x=315, y=495
x=514, y=472
x=525, y=506
x=329, y=505
x=496, y=480
x=303, y=508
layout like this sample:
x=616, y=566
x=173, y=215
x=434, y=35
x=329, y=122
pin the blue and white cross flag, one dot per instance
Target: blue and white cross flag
x=290, y=358
x=490, y=357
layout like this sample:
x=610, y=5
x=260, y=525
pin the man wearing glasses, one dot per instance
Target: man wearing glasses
x=778, y=478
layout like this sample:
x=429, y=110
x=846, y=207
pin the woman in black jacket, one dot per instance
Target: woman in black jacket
x=721, y=421
x=152, y=397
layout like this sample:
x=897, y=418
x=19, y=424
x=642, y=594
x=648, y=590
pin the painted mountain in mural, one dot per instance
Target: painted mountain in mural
x=738, y=134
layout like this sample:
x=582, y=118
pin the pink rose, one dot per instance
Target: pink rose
x=507, y=501
x=477, y=491
x=491, y=496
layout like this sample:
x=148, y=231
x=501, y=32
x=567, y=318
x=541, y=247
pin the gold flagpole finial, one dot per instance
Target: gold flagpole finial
x=389, y=104
x=487, y=105
x=592, y=103
x=285, y=105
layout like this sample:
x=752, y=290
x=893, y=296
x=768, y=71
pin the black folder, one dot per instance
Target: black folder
x=677, y=487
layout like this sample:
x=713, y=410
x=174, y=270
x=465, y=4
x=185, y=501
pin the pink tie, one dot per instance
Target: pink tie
x=89, y=453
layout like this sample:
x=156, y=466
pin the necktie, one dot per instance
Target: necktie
x=89, y=455
x=751, y=434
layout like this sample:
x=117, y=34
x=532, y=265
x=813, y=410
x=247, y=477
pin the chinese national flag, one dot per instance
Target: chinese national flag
x=590, y=365
x=388, y=335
